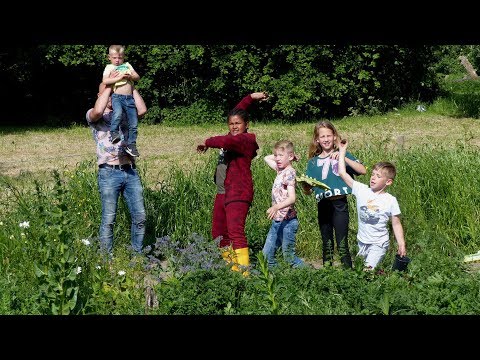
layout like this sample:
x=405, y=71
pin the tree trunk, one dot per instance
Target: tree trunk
x=466, y=64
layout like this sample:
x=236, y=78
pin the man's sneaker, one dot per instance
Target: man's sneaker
x=114, y=137
x=132, y=150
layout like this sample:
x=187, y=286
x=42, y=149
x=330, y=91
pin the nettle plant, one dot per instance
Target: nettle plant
x=56, y=268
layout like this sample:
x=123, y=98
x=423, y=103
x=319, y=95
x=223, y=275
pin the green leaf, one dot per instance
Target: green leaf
x=38, y=272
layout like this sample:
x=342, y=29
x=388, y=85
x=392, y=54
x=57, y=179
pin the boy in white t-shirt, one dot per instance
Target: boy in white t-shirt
x=122, y=97
x=375, y=207
x=284, y=226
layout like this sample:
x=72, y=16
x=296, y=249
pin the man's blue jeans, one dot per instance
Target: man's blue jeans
x=112, y=183
x=125, y=103
x=282, y=234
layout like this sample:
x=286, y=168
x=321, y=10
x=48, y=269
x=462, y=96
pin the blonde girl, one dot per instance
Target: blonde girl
x=332, y=204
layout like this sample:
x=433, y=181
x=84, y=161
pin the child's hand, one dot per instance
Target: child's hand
x=334, y=155
x=202, y=148
x=342, y=145
x=402, y=251
x=307, y=189
x=260, y=96
x=271, y=211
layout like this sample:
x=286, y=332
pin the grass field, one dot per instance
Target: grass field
x=38, y=151
x=49, y=225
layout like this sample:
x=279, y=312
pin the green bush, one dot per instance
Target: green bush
x=465, y=95
x=191, y=84
x=200, y=112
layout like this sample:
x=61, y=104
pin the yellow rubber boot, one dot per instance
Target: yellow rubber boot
x=242, y=259
x=230, y=257
x=227, y=256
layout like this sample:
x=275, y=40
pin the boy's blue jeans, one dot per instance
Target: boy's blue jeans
x=112, y=183
x=282, y=233
x=120, y=104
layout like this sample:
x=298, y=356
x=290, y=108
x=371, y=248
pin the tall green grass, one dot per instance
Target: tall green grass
x=436, y=186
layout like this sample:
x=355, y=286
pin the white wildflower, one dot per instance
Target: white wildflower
x=24, y=225
x=12, y=237
x=98, y=267
x=121, y=273
x=85, y=241
x=22, y=234
x=1, y=223
x=79, y=270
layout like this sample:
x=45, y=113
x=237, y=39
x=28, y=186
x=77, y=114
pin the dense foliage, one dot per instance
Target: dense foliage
x=198, y=83
x=49, y=260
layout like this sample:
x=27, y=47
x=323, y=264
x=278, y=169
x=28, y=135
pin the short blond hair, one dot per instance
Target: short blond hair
x=119, y=49
x=386, y=168
x=285, y=145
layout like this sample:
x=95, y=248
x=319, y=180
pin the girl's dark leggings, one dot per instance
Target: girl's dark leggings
x=333, y=216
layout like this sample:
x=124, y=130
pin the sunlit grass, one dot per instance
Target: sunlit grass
x=436, y=186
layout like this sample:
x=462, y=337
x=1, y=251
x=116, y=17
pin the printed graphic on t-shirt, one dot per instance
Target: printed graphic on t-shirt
x=123, y=68
x=326, y=170
x=106, y=151
x=326, y=164
x=369, y=213
x=283, y=180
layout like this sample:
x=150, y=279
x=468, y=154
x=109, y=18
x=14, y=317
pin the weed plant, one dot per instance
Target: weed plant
x=50, y=264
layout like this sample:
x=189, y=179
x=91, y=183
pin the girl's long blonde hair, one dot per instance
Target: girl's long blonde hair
x=315, y=148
